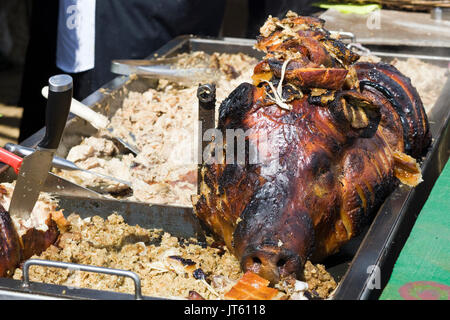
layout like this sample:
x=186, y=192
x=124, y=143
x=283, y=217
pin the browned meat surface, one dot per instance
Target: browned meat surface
x=20, y=239
x=9, y=245
x=163, y=121
x=331, y=135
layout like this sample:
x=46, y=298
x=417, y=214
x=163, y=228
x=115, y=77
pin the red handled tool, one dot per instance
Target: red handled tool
x=11, y=159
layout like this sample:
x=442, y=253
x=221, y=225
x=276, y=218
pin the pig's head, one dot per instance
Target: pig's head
x=304, y=110
x=298, y=198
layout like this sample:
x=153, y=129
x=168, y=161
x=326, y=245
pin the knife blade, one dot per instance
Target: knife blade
x=35, y=167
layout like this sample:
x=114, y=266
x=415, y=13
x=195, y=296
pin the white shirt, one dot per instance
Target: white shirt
x=75, y=49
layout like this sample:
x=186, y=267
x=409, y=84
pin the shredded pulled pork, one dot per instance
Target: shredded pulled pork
x=163, y=263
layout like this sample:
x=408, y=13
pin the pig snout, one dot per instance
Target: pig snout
x=271, y=262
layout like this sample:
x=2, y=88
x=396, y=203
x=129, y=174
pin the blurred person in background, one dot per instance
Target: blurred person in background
x=6, y=42
x=81, y=37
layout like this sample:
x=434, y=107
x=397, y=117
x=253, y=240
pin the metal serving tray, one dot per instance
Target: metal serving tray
x=362, y=266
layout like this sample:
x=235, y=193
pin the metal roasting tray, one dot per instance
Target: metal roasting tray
x=362, y=267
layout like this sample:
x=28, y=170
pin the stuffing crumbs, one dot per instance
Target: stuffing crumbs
x=163, y=123
x=168, y=267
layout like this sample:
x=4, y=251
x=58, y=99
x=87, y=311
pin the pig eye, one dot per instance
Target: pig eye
x=281, y=263
x=322, y=171
x=320, y=163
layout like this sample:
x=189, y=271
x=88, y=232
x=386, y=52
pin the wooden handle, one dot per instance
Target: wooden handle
x=97, y=120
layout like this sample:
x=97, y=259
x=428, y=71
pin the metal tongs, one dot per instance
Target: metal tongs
x=168, y=69
x=53, y=183
x=165, y=69
x=61, y=163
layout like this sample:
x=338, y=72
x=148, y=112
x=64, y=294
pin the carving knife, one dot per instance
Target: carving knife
x=35, y=167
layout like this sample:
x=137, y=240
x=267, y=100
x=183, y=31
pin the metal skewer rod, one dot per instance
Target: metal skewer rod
x=206, y=95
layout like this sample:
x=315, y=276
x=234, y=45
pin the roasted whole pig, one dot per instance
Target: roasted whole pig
x=339, y=137
x=19, y=239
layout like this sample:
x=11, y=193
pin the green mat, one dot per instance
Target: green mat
x=422, y=270
x=362, y=9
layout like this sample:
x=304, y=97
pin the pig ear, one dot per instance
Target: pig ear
x=235, y=106
x=355, y=113
x=404, y=100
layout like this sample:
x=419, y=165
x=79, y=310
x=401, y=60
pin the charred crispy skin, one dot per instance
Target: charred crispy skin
x=328, y=161
x=36, y=241
x=303, y=205
x=317, y=77
x=10, y=250
x=15, y=249
x=251, y=287
x=403, y=98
